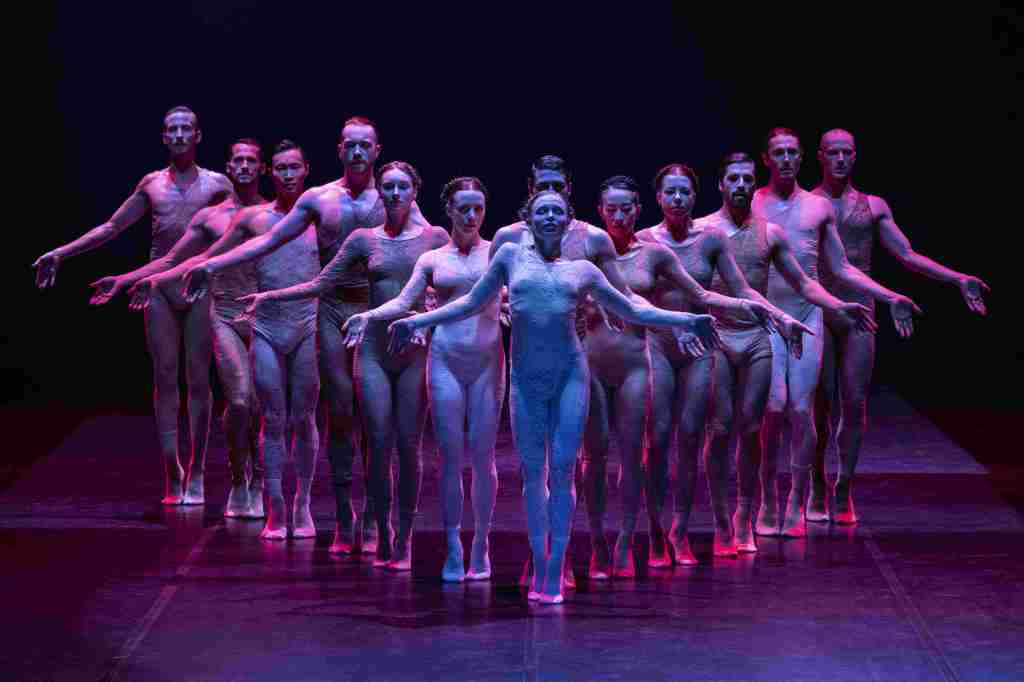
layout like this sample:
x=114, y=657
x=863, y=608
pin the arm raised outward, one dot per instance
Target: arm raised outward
x=127, y=215
x=485, y=289
x=197, y=277
x=901, y=308
x=896, y=243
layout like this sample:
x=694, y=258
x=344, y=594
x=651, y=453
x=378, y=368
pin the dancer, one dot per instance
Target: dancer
x=620, y=386
x=230, y=337
x=743, y=362
x=809, y=224
x=849, y=354
x=549, y=374
x=173, y=195
x=337, y=209
x=392, y=389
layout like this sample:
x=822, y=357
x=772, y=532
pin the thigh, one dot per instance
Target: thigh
x=335, y=359
x=598, y=428
x=163, y=332
x=569, y=414
x=485, y=397
x=199, y=339
x=632, y=401
x=805, y=371
x=724, y=392
x=531, y=427
x=857, y=361
x=754, y=378
x=411, y=396
x=303, y=377
x=373, y=385
x=448, y=404
x=231, y=357
x=663, y=394
x=778, y=391
x=696, y=381
x=268, y=376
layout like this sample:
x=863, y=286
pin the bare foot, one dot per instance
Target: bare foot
x=544, y=598
x=238, y=501
x=623, y=566
x=479, y=558
x=744, y=531
x=794, y=526
x=344, y=538
x=658, y=556
x=453, y=571
x=681, y=547
x=277, y=527
x=768, y=518
x=385, y=550
x=568, y=574
x=255, y=510
x=725, y=543
x=194, y=491
x=302, y=519
x=843, y=511
x=600, y=559
x=174, y=485
x=368, y=545
x=817, y=504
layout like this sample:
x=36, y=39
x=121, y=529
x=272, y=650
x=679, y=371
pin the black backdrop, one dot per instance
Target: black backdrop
x=482, y=91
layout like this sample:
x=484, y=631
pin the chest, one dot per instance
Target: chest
x=393, y=259
x=854, y=221
x=455, y=273
x=340, y=214
x=638, y=269
x=544, y=288
x=172, y=202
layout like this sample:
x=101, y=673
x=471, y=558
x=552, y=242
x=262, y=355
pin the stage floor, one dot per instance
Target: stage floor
x=101, y=582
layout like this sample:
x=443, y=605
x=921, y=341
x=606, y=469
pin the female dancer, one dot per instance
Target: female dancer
x=465, y=372
x=550, y=378
x=388, y=252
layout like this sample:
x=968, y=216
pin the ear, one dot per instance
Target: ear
x=721, y=185
x=199, y=136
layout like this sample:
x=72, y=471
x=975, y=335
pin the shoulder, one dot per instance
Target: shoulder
x=438, y=235
x=506, y=252
x=775, y=233
x=646, y=235
x=217, y=178
x=879, y=206
x=509, y=232
x=817, y=202
x=148, y=179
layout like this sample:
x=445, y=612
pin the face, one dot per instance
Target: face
x=244, y=166
x=397, y=190
x=676, y=195
x=180, y=133
x=546, y=180
x=289, y=170
x=466, y=210
x=737, y=184
x=619, y=209
x=837, y=155
x=783, y=156
x=549, y=216
x=358, y=149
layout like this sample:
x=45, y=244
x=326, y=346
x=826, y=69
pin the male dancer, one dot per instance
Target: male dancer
x=809, y=224
x=336, y=209
x=230, y=337
x=743, y=361
x=173, y=195
x=850, y=350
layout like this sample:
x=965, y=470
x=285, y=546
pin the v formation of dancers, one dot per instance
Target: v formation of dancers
x=705, y=331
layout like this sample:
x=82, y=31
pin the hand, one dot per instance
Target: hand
x=252, y=303
x=106, y=289
x=400, y=333
x=903, y=310
x=689, y=344
x=196, y=283
x=705, y=329
x=970, y=289
x=793, y=332
x=420, y=337
x=760, y=313
x=611, y=321
x=46, y=269
x=354, y=329
x=140, y=293
x=505, y=313
x=859, y=315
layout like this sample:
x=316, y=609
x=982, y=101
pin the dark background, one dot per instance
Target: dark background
x=932, y=99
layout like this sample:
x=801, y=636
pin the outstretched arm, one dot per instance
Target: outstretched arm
x=896, y=243
x=901, y=308
x=127, y=215
x=355, y=326
x=286, y=229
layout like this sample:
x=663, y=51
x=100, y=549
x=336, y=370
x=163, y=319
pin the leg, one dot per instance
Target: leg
x=595, y=477
x=163, y=336
x=411, y=411
x=568, y=419
x=826, y=405
x=269, y=379
x=695, y=381
x=486, y=396
x=771, y=434
x=857, y=354
x=660, y=428
x=336, y=376
x=530, y=426
x=717, y=456
x=803, y=384
x=373, y=385
x=198, y=355
x=448, y=407
x=630, y=416
x=754, y=376
x=231, y=358
x=303, y=391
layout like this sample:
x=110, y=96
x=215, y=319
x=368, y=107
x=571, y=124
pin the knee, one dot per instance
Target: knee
x=302, y=422
x=237, y=409
x=855, y=406
x=273, y=424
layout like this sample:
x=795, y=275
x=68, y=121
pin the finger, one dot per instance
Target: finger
x=916, y=309
x=984, y=286
x=806, y=330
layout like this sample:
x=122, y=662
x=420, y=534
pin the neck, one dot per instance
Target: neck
x=183, y=162
x=248, y=194
x=782, y=187
x=621, y=237
x=549, y=248
x=357, y=182
x=285, y=201
x=394, y=223
x=834, y=187
x=678, y=226
x=465, y=242
x=737, y=215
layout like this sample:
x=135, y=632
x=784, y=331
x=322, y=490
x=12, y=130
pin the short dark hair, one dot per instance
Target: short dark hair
x=287, y=146
x=676, y=169
x=181, y=109
x=524, y=212
x=775, y=132
x=360, y=121
x=731, y=158
x=821, y=142
x=465, y=182
x=549, y=162
x=405, y=168
x=251, y=141
x=619, y=182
